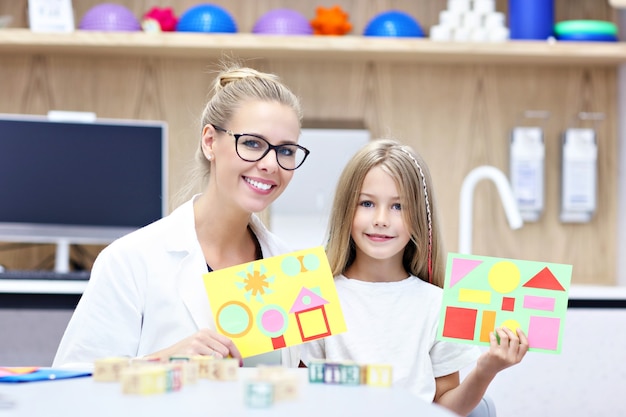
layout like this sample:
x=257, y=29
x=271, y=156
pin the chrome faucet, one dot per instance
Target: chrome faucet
x=467, y=202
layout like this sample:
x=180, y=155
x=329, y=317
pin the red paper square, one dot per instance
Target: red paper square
x=508, y=304
x=460, y=323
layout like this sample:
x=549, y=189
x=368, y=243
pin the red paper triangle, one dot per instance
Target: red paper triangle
x=546, y=280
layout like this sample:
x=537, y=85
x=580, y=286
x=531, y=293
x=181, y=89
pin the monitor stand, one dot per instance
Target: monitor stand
x=62, y=256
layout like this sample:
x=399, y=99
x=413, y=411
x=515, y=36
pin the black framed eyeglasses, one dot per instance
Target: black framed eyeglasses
x=252, y=148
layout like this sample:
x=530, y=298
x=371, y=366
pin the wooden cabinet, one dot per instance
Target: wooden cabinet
x=454, y=103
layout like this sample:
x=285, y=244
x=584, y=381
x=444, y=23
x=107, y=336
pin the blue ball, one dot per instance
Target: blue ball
x=206, y=18
x=394, y=23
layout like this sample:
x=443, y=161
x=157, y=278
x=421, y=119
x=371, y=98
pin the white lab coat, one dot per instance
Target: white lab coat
x=146, y=293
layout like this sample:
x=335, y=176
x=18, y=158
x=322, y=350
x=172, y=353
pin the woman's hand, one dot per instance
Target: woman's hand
x=508, y=352
x=204, y=342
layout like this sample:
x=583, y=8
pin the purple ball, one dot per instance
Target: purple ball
x=283, y=22
x=109, y=17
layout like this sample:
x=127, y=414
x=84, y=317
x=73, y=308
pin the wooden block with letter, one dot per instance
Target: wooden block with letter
x=189, y=369
x=227, y=369
x=350, y=374
x=146, y=380
x=259, y=394
x=285, y=387
x=109, y=369
x=378, y=375
x=332, y=373
x=285, y=382
x=205, y=366
x=316, y=371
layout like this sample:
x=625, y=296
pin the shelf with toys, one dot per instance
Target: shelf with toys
x=351, y=47
x=467, y=32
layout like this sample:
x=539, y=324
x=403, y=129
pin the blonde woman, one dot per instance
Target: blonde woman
x=146, y=296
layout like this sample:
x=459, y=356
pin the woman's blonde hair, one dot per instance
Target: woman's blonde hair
x=423, y=255
x=233, y=86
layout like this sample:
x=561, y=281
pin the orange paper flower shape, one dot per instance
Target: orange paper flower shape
x=332, y=21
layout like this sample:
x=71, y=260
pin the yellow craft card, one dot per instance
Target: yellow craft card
x=276, y=302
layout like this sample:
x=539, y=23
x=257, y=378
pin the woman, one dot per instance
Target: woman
x=146, y=295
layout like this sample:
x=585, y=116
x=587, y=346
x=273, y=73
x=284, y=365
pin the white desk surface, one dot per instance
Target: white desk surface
x=84, y=397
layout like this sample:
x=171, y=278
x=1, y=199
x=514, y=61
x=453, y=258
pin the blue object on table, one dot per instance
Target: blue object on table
x=587, y=37
x=394, y=23
x=44, y=374
x=531, y=19
x=206, y=18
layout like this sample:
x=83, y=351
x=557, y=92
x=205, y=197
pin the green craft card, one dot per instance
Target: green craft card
x=484, y=293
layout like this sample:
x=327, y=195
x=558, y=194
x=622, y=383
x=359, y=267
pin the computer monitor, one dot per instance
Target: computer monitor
x=69, y=182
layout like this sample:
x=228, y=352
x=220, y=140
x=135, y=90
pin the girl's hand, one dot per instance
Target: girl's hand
x=204, y=342
x=510, y=351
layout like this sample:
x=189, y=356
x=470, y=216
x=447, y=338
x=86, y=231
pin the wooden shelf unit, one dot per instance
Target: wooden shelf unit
x=352, y=48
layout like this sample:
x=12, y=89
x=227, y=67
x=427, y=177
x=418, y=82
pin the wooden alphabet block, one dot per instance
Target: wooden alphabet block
x=316, y=371
x=191, y=372
x=205, y=368
x=350, y=374
x=109, y=369
x=378, y=375
x=189, y=369
x=227, y=369
x=285, y=387
x=146, y=380
x=332, y=373
x=173, y=377
x=285, y=382
x=259, y=394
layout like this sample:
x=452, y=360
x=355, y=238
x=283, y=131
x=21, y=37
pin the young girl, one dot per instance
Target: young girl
x=146, y=296
x=385, y=251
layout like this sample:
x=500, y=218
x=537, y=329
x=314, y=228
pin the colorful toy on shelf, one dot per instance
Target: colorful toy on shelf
x=208, y=18
x=164, y=18
x=586, y=31
x=110, y=17
x=331, y=21
x=394, y=23
x=282, y=22
x=531, y=19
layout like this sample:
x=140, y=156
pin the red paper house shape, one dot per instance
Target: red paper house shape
x=310, y=315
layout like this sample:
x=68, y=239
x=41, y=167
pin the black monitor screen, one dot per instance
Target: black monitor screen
x=107, y=174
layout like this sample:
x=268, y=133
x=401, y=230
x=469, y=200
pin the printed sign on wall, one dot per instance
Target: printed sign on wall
x=276, y=302
x=484, y=293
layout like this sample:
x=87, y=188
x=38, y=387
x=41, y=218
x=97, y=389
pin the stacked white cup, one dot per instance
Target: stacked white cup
x=470, y=21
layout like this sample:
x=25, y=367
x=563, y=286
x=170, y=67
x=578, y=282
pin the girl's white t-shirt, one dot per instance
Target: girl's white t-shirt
x=394, y=323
